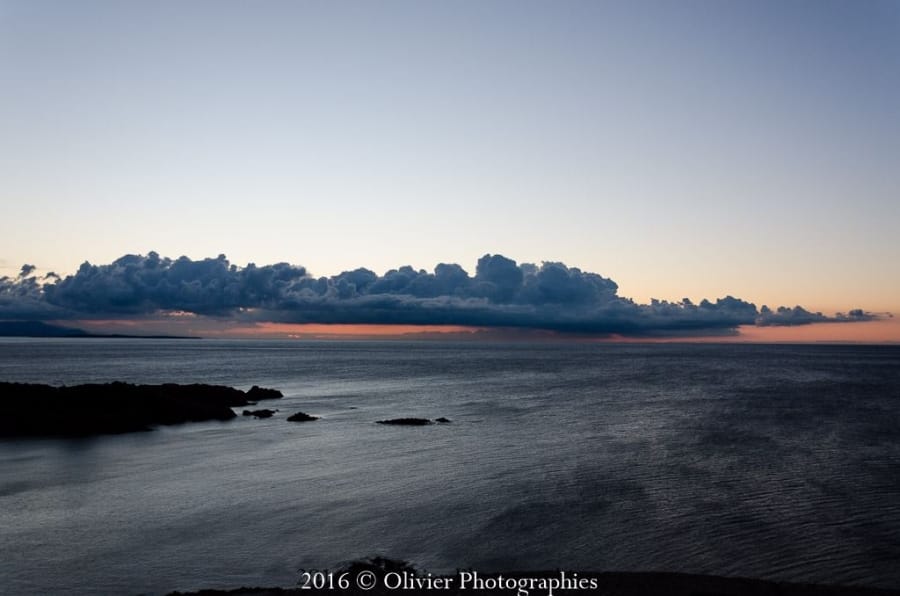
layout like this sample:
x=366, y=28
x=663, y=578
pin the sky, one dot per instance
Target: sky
x=695, y=149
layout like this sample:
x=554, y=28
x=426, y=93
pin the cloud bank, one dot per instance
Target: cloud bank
x=501, y=293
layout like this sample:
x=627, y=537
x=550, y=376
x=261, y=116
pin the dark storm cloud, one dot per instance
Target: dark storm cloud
x=23, y=297
x=501, y=293
x=135, y=284
x=858, y=314
x=784, y=316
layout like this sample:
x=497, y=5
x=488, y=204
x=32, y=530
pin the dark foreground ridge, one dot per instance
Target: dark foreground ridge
x=33, y=410
x=384, y=577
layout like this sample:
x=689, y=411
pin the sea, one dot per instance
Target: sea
x=778, y=462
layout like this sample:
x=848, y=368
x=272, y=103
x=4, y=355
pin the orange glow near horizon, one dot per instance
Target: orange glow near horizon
x=881, y=331
x=341, y=330
x=869, y=332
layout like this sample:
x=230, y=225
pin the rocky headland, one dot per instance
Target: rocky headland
x=36, y=410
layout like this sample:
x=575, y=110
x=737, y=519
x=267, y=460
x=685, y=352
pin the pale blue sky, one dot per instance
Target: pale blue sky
x=681, y=148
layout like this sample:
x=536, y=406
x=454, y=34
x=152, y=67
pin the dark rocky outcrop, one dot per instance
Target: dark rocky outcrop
x=31, y=410
x=407, y=421
x=301, y=417
x=264, y=413
x=260, y=393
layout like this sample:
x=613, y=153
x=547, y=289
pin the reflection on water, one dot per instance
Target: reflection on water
x=765, y=461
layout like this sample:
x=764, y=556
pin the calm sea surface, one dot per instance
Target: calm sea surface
x=777, y=462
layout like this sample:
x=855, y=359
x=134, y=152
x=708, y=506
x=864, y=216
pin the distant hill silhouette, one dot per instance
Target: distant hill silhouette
x=38, y=329
x=41, y=329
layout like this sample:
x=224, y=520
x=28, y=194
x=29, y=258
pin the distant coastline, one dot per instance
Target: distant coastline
x=47, y=330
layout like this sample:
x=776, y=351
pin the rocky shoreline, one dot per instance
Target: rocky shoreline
x=36, y=410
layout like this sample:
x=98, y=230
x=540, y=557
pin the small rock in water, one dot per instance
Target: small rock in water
x=301, y=417
x=407, y=421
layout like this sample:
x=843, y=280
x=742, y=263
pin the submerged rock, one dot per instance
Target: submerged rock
x=301, y=417
x=264, y=413
x=407, y=421
x=33, y=410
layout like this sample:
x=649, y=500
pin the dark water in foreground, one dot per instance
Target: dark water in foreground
x=776, y=462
